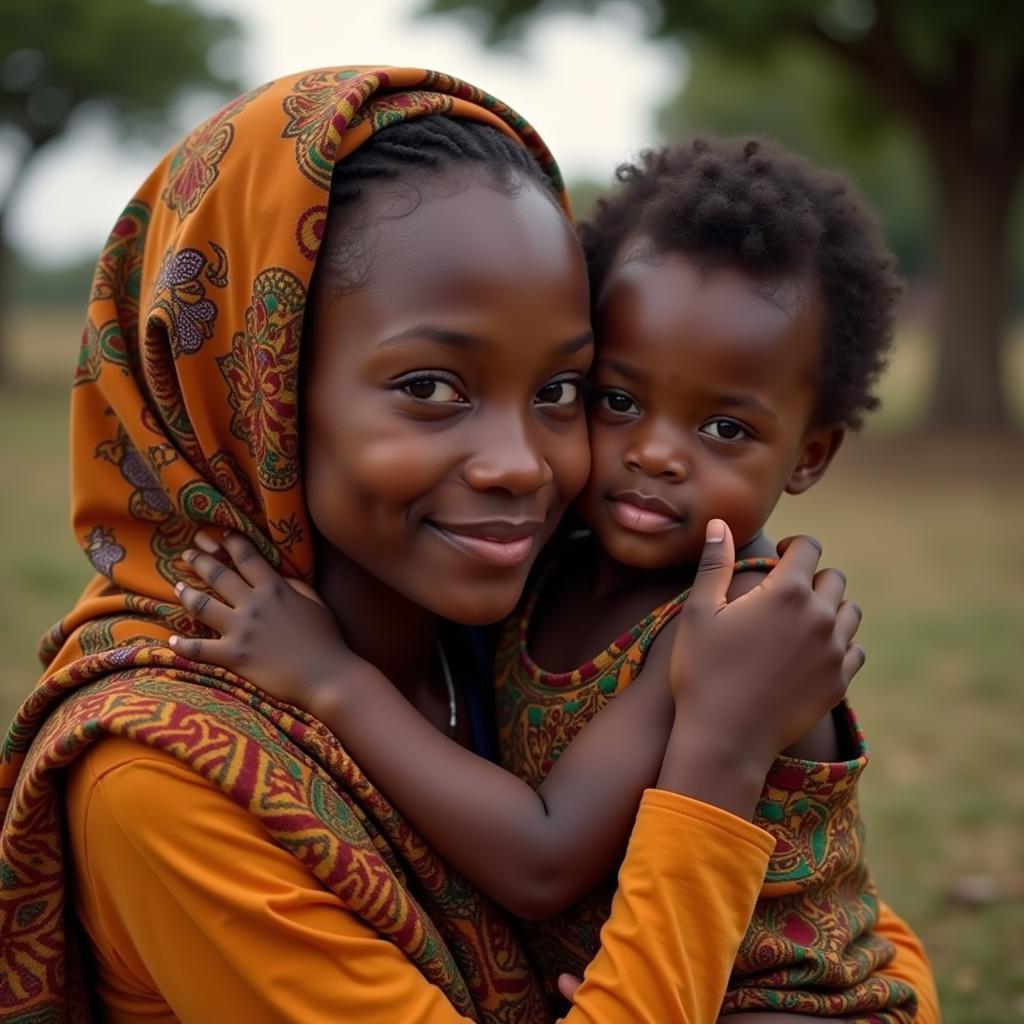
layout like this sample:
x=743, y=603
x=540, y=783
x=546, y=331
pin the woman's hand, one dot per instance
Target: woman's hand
x=275, y=632
x=760, y=671
x=568, y=983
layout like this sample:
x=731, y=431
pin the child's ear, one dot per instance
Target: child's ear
x=819, y=448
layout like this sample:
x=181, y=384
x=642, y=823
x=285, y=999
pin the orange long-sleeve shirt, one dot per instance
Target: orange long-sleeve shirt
x=195, y=914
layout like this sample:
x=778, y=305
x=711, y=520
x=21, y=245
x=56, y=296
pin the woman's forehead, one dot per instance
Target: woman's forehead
x=430, y=236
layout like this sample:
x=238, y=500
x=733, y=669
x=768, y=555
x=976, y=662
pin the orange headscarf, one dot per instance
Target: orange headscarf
x=184, y=414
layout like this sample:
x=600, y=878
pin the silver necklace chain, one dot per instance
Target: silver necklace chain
x=453, y=707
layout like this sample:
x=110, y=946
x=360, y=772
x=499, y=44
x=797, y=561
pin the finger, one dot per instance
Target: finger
x=853, y=662
x=208, y=543
x=831, y=585
x=714, y=573
x=255, y=569
x=847, y=622
x=204, y=607
x=567, y=985
x=210, y=652
x=222, y=578
x=798, y=558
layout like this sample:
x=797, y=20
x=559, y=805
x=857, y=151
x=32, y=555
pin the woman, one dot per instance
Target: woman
x=227, y=860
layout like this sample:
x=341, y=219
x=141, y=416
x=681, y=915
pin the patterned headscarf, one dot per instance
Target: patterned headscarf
x=184, y=414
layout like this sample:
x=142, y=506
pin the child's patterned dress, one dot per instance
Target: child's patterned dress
x=809, y=948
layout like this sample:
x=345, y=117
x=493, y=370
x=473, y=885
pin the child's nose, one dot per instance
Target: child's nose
x=659, y=457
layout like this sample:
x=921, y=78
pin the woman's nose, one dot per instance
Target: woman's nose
x=658, y=456
x=508, y=458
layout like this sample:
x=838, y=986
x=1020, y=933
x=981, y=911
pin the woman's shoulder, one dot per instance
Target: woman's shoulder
x=141, y=786
x=121, y=757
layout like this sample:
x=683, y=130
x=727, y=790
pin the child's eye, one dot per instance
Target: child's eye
x=559, y=392
x=432, y=389
x=725, y=430
x=619, y=402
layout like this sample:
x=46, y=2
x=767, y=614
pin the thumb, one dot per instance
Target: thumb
x=567, y=985
x=714, y=573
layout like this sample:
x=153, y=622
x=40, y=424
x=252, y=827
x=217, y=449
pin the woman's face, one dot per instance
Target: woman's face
x=444, y=425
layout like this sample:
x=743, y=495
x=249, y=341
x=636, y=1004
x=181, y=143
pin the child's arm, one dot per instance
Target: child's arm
x=535, y=852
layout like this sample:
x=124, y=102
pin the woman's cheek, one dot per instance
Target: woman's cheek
x=395, y=470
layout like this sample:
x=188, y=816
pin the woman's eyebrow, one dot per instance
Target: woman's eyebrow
x=624, y=369
x=575, y=344
x=431, y=332
x=459, y=339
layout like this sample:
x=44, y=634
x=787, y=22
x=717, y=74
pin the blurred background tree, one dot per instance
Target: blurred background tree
x=840, y=78
x=127, y=61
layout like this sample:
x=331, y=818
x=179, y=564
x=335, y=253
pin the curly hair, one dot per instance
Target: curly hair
x=749, y=204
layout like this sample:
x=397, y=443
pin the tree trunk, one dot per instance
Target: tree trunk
x=975, y=197
x=5, y=307
x=7, y=262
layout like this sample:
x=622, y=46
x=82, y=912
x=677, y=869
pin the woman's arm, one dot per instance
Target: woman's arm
x=910, y=964
x=195, y=914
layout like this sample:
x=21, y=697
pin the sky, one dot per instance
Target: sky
x=590, y=85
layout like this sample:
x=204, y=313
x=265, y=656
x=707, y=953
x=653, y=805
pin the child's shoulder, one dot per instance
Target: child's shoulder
x=743, y=582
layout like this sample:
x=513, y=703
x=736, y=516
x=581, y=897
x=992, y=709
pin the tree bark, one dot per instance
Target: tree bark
x=975, y=199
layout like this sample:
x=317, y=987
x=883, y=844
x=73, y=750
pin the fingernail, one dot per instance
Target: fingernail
x=206, y=542
x=179, y=587
x=715, y=533
x=173, y=641
x=189, y=554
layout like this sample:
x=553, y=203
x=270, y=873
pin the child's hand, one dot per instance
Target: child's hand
x=275, y=632
x=758, y=672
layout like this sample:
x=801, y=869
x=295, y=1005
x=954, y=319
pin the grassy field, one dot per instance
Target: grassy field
x=930, y=537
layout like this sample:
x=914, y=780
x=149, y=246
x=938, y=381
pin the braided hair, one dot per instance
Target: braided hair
x=751, y=205
x=407, y=156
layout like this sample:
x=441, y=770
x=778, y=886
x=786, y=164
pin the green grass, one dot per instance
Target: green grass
x=930, y=537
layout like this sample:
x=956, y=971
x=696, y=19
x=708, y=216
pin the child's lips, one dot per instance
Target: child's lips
x=643, y=513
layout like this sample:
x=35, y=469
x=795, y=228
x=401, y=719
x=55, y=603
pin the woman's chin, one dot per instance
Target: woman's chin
x=477, y=606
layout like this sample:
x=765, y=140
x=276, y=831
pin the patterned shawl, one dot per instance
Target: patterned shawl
x=184, y=413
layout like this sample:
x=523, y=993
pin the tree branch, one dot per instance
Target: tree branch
x=877, y=58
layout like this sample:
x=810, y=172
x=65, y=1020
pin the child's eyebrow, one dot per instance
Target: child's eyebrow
x=746, y=401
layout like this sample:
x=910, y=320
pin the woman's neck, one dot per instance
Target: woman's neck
x=386, y=629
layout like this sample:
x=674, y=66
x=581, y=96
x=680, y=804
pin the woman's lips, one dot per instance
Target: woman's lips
x=643, y=514
x=500, y=544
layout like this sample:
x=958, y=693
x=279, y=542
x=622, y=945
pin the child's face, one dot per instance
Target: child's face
x=444, y=430
x=706, y=386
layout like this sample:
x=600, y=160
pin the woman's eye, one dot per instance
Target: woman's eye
x=430, y=389
x=559, y=392
x=616, y=401
x=725, y=430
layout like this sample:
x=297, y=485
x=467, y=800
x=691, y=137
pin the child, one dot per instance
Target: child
x=743, y=307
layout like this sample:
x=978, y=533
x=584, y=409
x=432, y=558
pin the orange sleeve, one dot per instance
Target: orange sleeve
x=195, y=914
x=910, y=964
